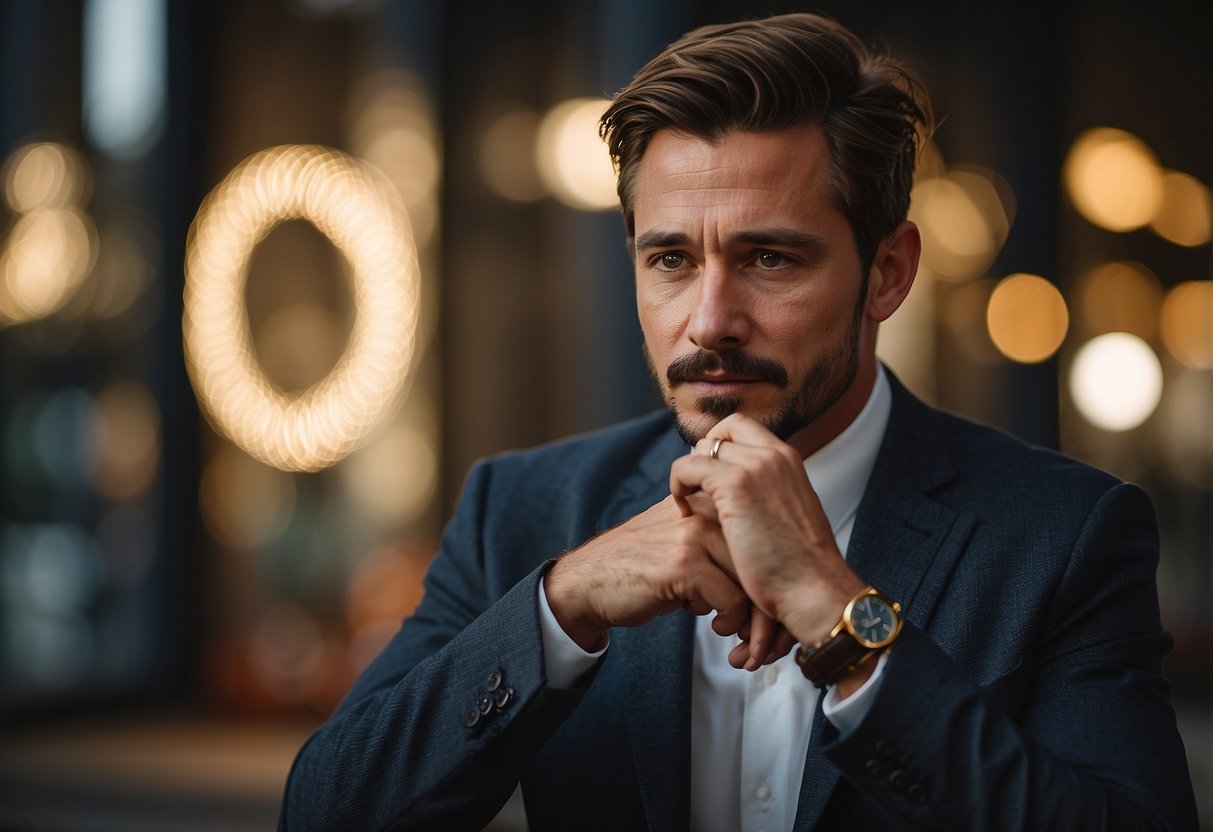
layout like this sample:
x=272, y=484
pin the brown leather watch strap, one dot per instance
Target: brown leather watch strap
x=825, y=661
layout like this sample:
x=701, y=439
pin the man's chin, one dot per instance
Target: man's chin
x=695, y=422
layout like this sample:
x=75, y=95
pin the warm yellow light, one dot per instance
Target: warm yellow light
x=45, y=175
x=1114, y=179
x=1187, y=323
x=45, y=258
x=1120, y=297
x=392, y=479
x=52, y=244
x=572, y=158
x=964, y=222
x=930, y=163
x=245, y=504
x=125, y=441
x=1027, y=318
x=395, y=130
x=1185, y=216
x=1116, y=381
x=507, y=157
x=363, y=219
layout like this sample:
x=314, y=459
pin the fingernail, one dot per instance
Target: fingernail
x=752, y=664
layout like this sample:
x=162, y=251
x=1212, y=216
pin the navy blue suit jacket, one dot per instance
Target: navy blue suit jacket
x=1025, y=692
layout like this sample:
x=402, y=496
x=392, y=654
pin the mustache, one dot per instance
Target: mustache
x=734, y=362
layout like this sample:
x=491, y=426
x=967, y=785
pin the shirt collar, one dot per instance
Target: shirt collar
x=839, y=471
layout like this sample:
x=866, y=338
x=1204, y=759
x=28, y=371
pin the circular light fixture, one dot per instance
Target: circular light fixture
x=361, y=216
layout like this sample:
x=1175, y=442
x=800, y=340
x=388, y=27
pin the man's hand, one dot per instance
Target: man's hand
x=779, y=545
x=661, y=560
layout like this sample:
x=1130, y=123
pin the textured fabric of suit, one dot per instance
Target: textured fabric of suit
x=1025, y=693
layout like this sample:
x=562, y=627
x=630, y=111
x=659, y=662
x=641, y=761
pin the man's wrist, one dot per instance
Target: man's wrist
x=814, y=616
x=562, y=601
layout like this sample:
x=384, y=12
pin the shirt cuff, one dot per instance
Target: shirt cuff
x=564, y=661
x=846, y=714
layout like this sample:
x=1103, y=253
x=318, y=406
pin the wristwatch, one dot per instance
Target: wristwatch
x=870, y=623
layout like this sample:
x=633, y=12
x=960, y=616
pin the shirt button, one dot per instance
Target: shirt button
x=763, y=793
x=770, y=675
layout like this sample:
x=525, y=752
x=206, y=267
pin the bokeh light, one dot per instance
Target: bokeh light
x=393, y=127
x=45, y=175
x=964, y=216
x=1027, y=318
x=52, y=244
x=1120, y=297
x=361, y=216
x=572, y=158
x=1187, y=323
x=507, y=157
x=1114, y=179
x=385, y=587
x=391, y=480
x=1116, y=381
x=124, y=451
x=1185, y=216
x=244, y=503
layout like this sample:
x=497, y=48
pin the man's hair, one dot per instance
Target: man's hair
x=764, y=75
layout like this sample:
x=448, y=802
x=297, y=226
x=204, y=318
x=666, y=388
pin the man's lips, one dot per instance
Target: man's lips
x=723, y=383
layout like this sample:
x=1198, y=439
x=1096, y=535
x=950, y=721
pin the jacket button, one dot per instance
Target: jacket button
x=493, y=682
x=899, y=780
x=917, y=794
x=471, y=718
x=502, y=697
x=484, y=703
x=886, y=750
x=876, y=768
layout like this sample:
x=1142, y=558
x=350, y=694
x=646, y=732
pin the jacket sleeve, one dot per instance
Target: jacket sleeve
x=437, y=730
x=1095, y=746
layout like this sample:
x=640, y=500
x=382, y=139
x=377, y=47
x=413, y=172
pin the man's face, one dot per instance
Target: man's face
x=748, y=284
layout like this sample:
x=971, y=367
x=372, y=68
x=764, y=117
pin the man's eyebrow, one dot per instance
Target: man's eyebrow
x=661, y=239
x=787, y=237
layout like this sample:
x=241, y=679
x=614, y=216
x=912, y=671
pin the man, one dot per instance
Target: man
x=981, y=615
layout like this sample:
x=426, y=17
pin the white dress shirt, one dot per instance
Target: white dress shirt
x=750, y=731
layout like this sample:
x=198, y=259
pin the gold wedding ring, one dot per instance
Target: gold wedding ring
x=715, y=452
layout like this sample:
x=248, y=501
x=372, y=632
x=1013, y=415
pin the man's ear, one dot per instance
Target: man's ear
x=893, y=270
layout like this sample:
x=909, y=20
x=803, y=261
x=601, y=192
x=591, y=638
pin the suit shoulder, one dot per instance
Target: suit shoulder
x=1011, y=464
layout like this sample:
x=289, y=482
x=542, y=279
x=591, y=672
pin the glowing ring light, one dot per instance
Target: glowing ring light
x=365, y=221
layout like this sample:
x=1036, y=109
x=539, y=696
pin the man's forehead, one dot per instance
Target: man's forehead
x=752, y=166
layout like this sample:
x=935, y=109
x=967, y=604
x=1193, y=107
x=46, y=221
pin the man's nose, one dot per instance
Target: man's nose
x=719, y=317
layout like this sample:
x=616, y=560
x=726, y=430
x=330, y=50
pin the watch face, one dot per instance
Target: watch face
x=873, y=621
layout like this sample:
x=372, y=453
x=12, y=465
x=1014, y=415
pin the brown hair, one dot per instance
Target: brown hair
x=780, y=72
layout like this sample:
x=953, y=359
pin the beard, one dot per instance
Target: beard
x=823, y=384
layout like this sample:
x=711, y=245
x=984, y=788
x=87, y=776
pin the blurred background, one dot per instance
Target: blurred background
x=274, y=273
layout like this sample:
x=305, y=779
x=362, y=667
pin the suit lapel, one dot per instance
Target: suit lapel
x=904, y=542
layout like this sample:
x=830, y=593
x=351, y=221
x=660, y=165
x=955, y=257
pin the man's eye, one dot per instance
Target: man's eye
x=670, y=261
x=771, y=259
